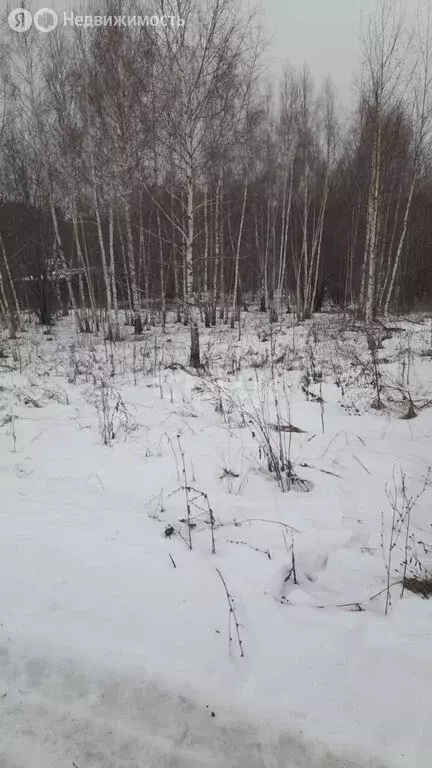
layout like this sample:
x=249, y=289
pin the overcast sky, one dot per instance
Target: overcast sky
x=323, y=33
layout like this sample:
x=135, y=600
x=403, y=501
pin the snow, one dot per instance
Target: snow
x=114, y=638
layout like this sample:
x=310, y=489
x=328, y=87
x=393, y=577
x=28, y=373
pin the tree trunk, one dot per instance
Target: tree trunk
x=400, y=247
x=217, y=248
x=9, y=276
x=102, y=248
x=372, y=225
x=64, y=264
x=237, y=254
x=161, y=273
x=132, y=272
x=194, y=360
x=116, y=334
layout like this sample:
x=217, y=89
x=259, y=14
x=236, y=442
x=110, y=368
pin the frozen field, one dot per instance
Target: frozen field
x=188, y=582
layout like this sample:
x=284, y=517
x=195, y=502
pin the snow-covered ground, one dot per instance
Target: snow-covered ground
x=115, y=635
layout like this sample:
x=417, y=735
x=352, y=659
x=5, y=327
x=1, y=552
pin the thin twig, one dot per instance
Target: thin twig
x=186, y=492
x=233, y=614
x=237, y=523
x=361, y=463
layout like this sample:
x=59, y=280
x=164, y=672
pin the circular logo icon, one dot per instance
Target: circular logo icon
x=20, y=20
x=45, y=20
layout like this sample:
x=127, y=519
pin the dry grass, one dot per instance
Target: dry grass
x=420, y=585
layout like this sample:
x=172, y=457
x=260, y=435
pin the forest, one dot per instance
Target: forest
x=159, y=169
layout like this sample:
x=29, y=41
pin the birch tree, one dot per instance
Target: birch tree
x=382, y=52
x=421, y=116
x=206, y=80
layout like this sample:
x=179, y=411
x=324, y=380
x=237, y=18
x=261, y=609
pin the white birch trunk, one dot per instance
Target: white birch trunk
x=132, y=270
x=237, y=255
x=400, y=247
x=64, y=264
x=113, y=272
x=372, y=225
x=9, y=276
x=217, y=247
x=102, y=246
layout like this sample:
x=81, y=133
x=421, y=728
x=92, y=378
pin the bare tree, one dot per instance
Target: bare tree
x=421, y=116
x=382, y=48
x=206, y=60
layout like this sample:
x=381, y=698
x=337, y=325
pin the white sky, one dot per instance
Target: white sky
x=324, y=33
